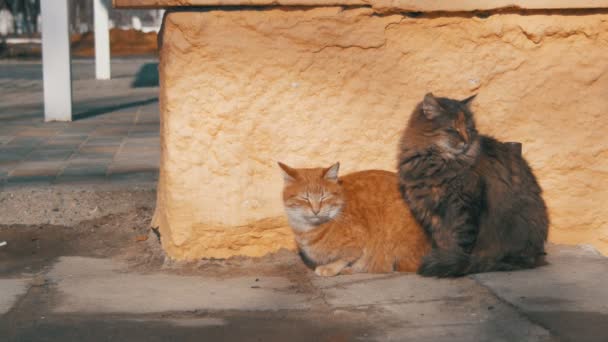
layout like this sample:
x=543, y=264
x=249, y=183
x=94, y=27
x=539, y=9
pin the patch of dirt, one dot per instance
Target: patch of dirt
x=30, y=249
x=69, y=205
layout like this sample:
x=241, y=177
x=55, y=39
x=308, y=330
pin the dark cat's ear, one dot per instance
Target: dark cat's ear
x=467, y=102
x=431, y=107
x=289, y=174
x=331, y=173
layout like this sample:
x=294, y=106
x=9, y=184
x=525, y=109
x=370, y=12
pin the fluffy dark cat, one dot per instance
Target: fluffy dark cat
x=478, y=201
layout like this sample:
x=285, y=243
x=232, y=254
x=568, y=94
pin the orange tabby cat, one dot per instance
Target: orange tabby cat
x=355, y=223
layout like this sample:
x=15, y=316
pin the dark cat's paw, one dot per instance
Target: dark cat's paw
x=443, y=264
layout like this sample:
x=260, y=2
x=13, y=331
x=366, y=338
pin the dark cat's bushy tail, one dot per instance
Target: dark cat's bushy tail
x=445, y=264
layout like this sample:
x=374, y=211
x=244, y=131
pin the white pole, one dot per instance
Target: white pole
x=102, y=40
x=56, y=63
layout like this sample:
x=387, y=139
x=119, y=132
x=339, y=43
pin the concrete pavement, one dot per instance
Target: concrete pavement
x=81, y=298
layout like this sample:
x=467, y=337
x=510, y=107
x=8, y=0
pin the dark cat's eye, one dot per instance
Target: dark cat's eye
x=454, y=133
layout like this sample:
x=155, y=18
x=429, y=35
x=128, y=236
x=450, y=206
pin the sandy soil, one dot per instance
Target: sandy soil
x=125, y=236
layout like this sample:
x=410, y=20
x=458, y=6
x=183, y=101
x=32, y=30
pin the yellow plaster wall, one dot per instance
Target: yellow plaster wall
x=243, y=89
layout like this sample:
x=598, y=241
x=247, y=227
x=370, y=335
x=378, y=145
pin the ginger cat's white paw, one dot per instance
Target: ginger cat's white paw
x=326, y=271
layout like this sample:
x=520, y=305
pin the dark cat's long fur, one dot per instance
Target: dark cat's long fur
x=478, y=200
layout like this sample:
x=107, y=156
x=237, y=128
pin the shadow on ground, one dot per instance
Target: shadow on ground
x=146, y=76
x=82, y=109
x=242, y=326
x=95, y=111
x=144, y=177
x=574, y=325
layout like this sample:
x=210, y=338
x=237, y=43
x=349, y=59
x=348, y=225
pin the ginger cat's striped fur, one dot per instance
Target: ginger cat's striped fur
x=353, y=224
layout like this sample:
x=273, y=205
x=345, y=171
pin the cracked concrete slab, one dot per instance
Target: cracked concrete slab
x=432, y=309
x=89, y=285
x=367, y=289
x=10, y=291
x=569, y=296
x=82, y=296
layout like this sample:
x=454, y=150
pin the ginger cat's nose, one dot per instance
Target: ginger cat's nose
x=315, y=206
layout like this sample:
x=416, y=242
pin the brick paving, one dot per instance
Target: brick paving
x=115, y=137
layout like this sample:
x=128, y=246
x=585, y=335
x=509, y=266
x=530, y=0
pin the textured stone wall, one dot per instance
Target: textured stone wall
x=381, y=5
x=243, y=89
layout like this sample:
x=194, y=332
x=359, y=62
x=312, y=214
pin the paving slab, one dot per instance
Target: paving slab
x=89, y=285
x=235, y=326
x=569, y=296
x=10, y=291
x=424, y=309
x=106, y=113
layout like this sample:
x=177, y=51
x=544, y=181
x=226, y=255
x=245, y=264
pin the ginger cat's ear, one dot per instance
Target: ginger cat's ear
x=289, y=174
x=331, y=173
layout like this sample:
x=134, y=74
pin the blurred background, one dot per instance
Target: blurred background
x=132, y=32
x=113, y=135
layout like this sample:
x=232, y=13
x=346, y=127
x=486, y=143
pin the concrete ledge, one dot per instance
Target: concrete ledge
x=69, y=204
x=395, y=5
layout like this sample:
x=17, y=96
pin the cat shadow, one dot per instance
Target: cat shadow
x=306, y=260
